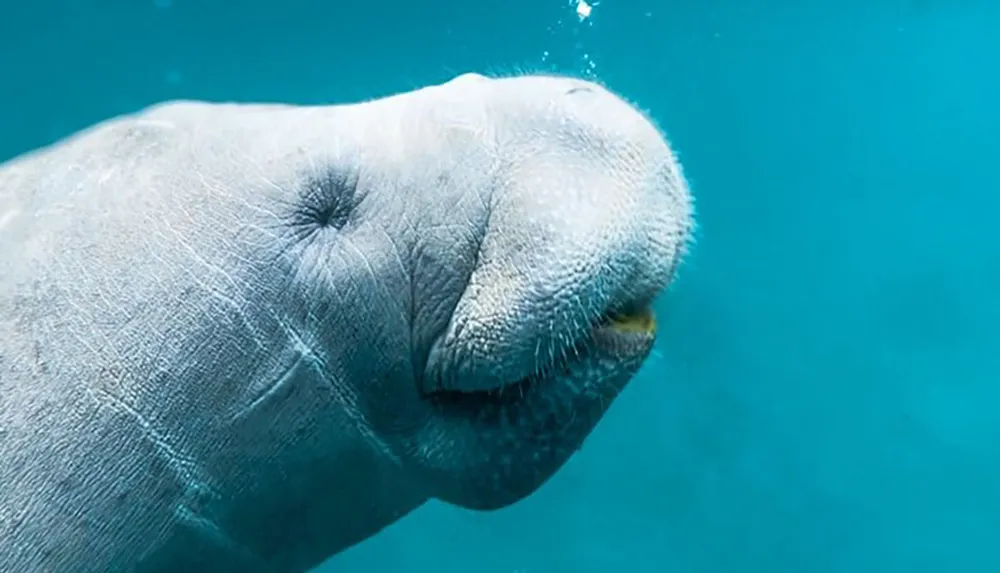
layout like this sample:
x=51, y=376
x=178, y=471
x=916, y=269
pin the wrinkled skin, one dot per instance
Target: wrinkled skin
x=246, y=337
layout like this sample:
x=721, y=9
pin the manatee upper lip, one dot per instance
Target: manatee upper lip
x=623, y=330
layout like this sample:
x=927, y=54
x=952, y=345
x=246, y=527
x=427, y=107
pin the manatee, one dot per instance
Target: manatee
x=244, y=337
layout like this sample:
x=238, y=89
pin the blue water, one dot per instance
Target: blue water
x=826, y=393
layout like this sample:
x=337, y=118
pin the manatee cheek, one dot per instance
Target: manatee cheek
x=442, y=263
x=436, y=295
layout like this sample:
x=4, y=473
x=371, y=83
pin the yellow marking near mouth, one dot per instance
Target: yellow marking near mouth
x=639, y=323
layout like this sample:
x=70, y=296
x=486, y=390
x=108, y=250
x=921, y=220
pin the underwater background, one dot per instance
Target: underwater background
x=825, y=395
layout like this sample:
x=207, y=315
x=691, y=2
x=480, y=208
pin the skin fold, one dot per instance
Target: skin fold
x=244, y=337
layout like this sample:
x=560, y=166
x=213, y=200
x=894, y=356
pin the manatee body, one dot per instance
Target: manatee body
x=241, y=338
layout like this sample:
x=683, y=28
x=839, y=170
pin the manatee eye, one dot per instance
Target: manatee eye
x=328, y=197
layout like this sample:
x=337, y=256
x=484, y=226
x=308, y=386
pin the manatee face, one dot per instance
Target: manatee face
x=537, y=218
x=458, y=276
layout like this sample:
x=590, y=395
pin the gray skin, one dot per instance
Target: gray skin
x=246, y=337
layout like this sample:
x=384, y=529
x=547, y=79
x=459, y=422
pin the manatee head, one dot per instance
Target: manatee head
x=535, y=219
x=474, y=265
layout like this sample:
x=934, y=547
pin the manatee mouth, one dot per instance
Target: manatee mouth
x=625, y=332
x=495, y=445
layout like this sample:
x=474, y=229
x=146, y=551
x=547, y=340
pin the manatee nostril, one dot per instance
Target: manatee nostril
x=579, y=89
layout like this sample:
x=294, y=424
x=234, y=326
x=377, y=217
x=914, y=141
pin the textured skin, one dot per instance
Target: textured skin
x=222, y=326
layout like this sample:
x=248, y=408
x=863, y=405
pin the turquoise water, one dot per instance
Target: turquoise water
x=826, y=393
